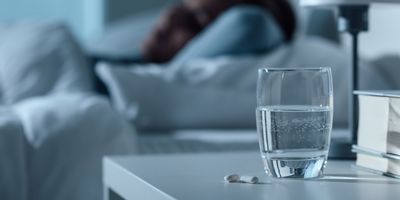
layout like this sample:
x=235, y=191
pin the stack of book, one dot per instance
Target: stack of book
x=378, y=143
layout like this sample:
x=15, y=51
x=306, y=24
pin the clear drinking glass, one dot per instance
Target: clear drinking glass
x=294, y=120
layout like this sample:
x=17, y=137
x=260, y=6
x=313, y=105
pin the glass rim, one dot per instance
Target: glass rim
x=310, y=69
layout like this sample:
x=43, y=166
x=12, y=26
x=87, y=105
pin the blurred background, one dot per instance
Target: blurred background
x=87, y=18
x=90, y=19
x=74, y=92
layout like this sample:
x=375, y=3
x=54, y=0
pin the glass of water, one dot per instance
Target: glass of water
x=294, y=120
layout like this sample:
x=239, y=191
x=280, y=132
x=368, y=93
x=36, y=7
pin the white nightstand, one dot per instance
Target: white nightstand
x=200, y=176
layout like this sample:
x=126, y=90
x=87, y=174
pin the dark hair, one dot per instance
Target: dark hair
x=281, y=10
x=183, y=21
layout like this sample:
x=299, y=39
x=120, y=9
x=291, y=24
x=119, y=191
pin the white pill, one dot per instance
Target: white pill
x=249, y=179
x=232, y=178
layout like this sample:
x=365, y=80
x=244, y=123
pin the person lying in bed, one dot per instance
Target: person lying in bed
x=209, y=28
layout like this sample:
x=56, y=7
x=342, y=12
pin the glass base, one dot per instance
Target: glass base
x=302, y=168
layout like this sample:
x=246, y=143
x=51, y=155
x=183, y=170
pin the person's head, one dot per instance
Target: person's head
x=175, y=28
x=183, y=22
x=206, y=11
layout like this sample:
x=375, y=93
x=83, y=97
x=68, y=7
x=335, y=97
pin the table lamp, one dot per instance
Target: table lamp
x=353, y=18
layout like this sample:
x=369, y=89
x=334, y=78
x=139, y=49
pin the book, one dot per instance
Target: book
x=379, y=121
x=378, y=141
x=377, y=162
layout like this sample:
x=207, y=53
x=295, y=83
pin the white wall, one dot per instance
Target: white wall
x=87, y=18
x=121, y=8
x=53, y=9
x=384, y=34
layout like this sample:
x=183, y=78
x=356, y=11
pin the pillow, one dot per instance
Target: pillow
x=37, y=58
x=154, y=102
x=221, y=92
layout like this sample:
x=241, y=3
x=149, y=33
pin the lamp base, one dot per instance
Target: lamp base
x=353, y=19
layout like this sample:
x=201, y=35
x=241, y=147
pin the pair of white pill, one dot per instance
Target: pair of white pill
x=234, y=178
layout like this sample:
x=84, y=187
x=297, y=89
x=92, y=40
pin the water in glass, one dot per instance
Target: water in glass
x=294, y=140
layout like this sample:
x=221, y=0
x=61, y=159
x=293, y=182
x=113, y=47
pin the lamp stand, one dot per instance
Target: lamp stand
x=354, y=20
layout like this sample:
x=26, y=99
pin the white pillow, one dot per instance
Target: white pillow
x=221, y=93
x=158, y=103
x=37, y=58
